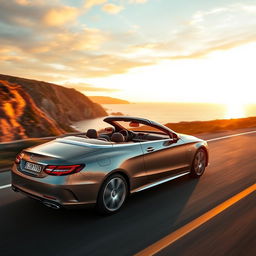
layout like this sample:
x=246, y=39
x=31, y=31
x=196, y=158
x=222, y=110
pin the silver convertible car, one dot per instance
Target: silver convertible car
x=103, y=168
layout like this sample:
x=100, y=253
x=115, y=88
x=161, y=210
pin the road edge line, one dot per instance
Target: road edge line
x=184, y=230
x=230, y=136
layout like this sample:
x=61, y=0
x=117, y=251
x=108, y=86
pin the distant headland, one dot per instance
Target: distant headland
x=107, y=100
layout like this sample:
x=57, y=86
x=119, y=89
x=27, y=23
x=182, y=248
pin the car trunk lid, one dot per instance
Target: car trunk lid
x=62, y=151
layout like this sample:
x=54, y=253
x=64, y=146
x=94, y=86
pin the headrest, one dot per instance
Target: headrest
x=117, y=137
x=92, y=133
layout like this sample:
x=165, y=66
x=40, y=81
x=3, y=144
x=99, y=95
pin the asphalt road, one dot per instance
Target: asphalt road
x=29, y=228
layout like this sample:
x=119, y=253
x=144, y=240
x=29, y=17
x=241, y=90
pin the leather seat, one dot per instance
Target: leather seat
x=92, y=133
x=104, y=137
x=117, y=137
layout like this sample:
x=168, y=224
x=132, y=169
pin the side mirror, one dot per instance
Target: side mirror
x=174, y=137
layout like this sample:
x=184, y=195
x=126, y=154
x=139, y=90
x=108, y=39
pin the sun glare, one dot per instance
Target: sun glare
x=226, y=77
x=235, y=110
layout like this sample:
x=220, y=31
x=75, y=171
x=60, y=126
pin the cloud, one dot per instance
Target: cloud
x=112, y=8
x=60, y=16
x=22, y=2
x=48, y=42
x=12, y=13
x=222, y=46
x=89, y=87
x=217, y=29
x=87, y=39
x=40, y=48
x=34, y=2
x=60, y=67
x=57, y=56
x=37, y=14
x=90, y=3
x=138, y=1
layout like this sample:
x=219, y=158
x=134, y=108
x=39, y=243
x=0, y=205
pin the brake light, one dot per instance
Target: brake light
x=59, y=170
x=18, y=158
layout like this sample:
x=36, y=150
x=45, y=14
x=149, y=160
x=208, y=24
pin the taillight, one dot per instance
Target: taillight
x=18, y=158
x=59, y=170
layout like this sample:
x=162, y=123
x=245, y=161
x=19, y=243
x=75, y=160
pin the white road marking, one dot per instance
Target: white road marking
x=214, y=139
x=5, y=186
x=230, y=136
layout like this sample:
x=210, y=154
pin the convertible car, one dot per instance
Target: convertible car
x=103, y=168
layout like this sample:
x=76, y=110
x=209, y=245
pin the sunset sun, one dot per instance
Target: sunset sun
x=235, y=110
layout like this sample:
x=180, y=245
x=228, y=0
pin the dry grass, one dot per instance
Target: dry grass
x=214, y=126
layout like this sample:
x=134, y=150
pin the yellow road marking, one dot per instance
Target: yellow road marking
x=172, y=237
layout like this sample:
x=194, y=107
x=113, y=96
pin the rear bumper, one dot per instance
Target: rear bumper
x=63, y=195
x=47, y=202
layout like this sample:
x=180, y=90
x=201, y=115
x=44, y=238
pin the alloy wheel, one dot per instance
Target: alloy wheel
x=200, y=162
x=114, y=194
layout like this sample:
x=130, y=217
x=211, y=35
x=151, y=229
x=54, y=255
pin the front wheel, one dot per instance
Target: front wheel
x=112, y=194
x=199, y=163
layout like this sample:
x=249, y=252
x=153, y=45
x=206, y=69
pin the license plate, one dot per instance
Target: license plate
x=33, y=167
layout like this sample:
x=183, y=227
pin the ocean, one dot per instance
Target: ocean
x=172, y=112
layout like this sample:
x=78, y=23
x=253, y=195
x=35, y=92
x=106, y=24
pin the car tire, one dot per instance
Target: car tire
x=199, y=163
x=112, y=195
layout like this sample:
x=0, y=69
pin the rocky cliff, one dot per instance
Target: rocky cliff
x=30, y=108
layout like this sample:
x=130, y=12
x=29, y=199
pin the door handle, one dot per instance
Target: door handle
x=150, y=149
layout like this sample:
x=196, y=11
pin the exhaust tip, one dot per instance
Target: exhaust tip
x=51, y=205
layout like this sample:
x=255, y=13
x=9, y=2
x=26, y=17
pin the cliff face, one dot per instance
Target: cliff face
x=30, y=108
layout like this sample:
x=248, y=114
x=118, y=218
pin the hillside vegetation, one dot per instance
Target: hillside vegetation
x=213, y=126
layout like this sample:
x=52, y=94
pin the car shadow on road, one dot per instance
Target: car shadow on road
x=146, y=217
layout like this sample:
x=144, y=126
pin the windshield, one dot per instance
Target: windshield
x=132, y=126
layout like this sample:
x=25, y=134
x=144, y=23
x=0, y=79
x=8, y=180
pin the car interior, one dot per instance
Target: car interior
x=125, y=136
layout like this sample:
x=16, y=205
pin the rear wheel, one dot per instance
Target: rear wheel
x=112, y=194
x=199, y=163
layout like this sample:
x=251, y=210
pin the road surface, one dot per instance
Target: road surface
x=29, y=228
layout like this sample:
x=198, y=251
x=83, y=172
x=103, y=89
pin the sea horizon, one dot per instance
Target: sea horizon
x=170, y=112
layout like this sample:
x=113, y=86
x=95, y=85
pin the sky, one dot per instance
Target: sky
x=139, y=50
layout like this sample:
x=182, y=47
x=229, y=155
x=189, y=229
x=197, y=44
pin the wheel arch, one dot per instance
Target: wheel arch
x=122, y=173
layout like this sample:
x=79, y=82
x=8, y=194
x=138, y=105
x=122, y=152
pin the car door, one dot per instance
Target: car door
x=129, y=158
x=164, y=158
